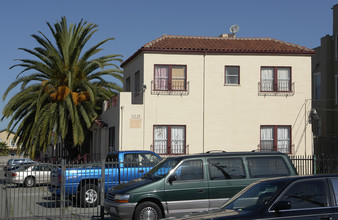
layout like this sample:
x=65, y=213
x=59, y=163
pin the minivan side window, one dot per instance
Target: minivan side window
x=262, y=167
x=226, y=168
x=190, y=170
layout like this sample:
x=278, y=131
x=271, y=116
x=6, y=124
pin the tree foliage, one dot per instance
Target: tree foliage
x=3, y=149
x=62, y=90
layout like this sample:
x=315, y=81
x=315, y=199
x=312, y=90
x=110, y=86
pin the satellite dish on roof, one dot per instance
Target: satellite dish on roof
x=234, y=29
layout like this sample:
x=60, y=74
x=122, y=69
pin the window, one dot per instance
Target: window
x=317, y=86
x=170, y=77
x=334, y=182
x=307, y=194
x=147, y=160
x=11, y=142
x=169, y=139
x=111, y=139
x=264, y=167
x=128, y=84
x=275, y=79
x=190, y=170
x=276, y=138
x=137, y=83
x=231, y=75
x=226, y=168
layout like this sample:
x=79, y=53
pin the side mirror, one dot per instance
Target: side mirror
x=282, y=205
x=172, y=178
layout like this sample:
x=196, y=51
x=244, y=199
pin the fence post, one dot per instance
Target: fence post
x=102, y=187
x=314, y=164
x=62, y=193
x=7, y=208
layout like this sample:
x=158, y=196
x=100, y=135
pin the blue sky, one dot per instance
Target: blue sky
x=133, y=23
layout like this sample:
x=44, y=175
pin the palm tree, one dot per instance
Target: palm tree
x=61, y=92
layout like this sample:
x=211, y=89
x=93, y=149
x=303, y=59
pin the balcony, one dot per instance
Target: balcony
x=174, y=88
x=280, y=88
x=164, y=150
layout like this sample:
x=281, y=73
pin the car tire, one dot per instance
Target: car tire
x=89, y=195
x=29, y=182
x=147, y=210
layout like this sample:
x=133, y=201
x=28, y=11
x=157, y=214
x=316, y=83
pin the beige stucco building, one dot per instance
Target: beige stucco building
x=8, y=140
x=196, y=94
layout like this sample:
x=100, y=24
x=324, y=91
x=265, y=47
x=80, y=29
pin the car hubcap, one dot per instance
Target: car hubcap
x=148, y=213
x=29, y=182
x=91, y=196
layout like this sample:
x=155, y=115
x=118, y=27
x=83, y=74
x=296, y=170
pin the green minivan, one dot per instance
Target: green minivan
x=193, y=183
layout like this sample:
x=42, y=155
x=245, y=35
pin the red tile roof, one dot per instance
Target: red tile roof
x=220, y=45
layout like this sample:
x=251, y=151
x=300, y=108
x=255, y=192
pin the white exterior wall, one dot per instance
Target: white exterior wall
x=216, y=116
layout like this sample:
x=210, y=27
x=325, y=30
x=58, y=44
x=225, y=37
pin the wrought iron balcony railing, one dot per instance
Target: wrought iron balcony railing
x=281, y=88
x=170, y=88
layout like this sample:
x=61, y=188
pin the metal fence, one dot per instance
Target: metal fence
x=316, y=164
x=31, y=193
x=52, y=191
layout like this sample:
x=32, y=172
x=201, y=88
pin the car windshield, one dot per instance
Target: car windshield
x=254, y=196
x=162, y=168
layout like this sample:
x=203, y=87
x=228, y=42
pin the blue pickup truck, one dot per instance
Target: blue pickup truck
x=83, y=181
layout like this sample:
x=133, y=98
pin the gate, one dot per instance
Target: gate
x=25, y=194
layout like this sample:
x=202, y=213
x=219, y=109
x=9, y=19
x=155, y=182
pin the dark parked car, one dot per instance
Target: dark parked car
x=297, y=197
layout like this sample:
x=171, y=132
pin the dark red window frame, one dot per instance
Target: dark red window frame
x=275, y=83
x=225, y=72
x=169, y=149
x=275, y=140
x=170, y=77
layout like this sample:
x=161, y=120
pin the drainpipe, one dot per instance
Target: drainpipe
x=305, y=125
x=144, y=113
x=121, y=132
x=203, y=104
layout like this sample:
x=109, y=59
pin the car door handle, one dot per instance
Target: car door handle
x=326, y=218
x=201, y=191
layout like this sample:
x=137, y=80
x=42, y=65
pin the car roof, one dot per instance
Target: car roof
x=295, y=178
x=132, y=151
x=224, y=153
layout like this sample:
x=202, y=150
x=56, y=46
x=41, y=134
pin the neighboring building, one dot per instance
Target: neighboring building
x=186, y=95
x=8, y=140
x=325, y=92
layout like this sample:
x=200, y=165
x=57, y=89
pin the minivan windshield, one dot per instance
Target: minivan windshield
x=162, y=169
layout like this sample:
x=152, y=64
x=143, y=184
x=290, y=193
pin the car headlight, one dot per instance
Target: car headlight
x=122, y=198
